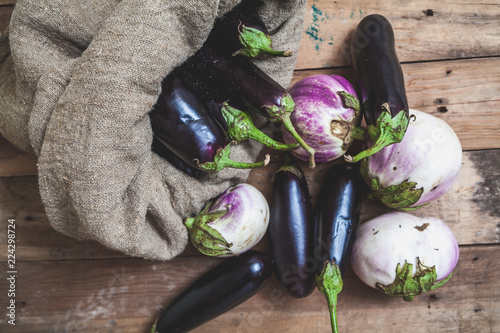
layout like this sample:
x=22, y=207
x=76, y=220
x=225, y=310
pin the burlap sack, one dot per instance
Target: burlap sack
x=77, y=80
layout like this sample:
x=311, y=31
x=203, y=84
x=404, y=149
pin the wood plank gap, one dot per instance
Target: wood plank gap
x=478, y=245
x=450, y=59
x=402, y=63
x=120, y=256
x=189, y=255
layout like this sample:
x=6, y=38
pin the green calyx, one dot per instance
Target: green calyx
x=241, y=127
x=408, y=285
x=329, y=282
x=351, y=101
x=355, y=131
x=257, y=44
x=222, y=160
x=358, y=133
x=401, y=196
x=289, y=166
x=282, y=114
x=386, y=131
x=205, y=238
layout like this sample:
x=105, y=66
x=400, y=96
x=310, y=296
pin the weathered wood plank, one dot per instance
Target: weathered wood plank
x=127, y=295
x=470, y=209
x=465, y=93
x=14, y=162
x=5, y=14
x=423, y=31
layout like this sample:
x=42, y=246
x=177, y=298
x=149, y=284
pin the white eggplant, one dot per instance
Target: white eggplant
x=232, y=223
x=404, y=255
x=419, y=169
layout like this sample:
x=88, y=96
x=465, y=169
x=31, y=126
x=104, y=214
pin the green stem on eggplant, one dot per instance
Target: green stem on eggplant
x=287, y=123
x=330, y=284
x=289, y=166
x=282, y=114
x=256, y=43
x=241, y=128
x=222, y=160
x=386, y=131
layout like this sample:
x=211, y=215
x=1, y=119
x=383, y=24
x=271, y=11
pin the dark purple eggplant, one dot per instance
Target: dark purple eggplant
x=238, y=124
x=161, y=150
x=241, y=31
x=181, y=121
x=337, y=219
x=291, y=231
x=222, y=288
x=381, y=85
x=238, y=76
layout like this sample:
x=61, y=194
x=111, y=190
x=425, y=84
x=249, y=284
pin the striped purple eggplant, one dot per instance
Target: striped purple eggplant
x=326, y=116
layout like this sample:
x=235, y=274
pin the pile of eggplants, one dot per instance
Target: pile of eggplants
x=308, y=248
x=193, y=121
x=412, y=157
x=182, y=123
x=204, y=103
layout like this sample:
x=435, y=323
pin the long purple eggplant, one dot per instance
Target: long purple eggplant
x=238, y=76
x=381, y=85
x=222, y=288
x=337, y=219
x=180, y=121
x=291, y=231
x=162, y=150
x=241, y=31
x=238, y=124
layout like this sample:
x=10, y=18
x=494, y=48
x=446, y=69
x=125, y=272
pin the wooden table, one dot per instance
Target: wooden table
x=450, y=53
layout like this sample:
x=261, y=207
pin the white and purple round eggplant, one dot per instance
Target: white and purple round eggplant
x=232, y=223
x=419, y=169
x=325, y=116
x=404, y=255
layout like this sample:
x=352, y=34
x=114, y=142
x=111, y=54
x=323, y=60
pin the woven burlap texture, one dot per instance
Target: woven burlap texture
x=77, y=80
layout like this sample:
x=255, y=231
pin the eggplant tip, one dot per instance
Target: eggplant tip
x=267, y=159
x=348, y=158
